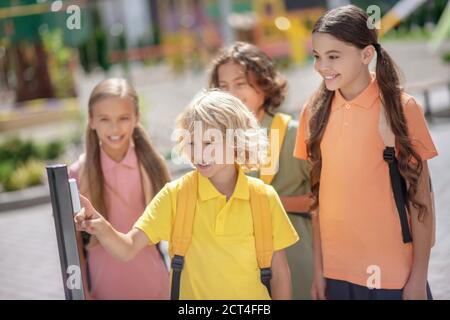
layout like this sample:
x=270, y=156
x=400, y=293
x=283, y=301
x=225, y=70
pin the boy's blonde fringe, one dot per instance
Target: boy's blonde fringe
x=216, y=109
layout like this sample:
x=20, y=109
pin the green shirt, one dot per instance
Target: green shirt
x=292, y=178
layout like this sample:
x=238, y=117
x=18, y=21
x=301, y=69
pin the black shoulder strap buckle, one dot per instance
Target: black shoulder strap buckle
x=389, y=154
x=266, y=276
x=177, y=263
x=177, y=267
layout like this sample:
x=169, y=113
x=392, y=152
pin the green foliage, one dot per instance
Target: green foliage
x=19, y=151
x=17, y=180
x=59, y=58
x=53, y=150
x=94, y=51
x=22, y=162
x=26, y=175
x=35, y=172
x=414, y=27
x=102, y=49
x=6, y=170
x=446, y=57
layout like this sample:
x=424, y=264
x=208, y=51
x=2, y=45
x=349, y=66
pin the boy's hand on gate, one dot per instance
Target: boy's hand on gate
x=88, y=219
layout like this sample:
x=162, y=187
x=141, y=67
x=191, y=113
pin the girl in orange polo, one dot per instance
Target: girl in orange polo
x=358, y=245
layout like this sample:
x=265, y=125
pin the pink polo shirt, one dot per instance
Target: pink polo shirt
x=146, y=276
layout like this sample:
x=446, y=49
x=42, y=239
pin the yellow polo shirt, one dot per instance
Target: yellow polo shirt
x=221, y=259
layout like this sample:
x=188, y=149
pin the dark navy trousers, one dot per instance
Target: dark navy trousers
x=343, y=290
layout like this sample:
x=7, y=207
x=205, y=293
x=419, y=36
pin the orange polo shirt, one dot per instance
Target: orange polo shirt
x=359, y=224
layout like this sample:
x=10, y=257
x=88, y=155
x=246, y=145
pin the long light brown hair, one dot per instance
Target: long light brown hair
x=152, y=162
x=349, y=24
x=258, y=67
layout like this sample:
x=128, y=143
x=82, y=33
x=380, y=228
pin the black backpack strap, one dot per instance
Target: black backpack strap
x=86, y=237
x=177, y=267
x=266, y=276
x=399, y=189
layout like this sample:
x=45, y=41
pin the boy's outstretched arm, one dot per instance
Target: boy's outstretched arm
x=120, y=245
x=281, y=277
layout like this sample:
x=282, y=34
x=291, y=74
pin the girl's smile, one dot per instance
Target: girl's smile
x=114, y=120
x=203, y=166
x=116, y=139
x=331, y=77
x=331, y=80
x=342, y=65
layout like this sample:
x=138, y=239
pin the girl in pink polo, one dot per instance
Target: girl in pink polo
x=360, y=251
x=120, y=172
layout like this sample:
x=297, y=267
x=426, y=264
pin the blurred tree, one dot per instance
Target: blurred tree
x=26, y=54
x=4, y=83
x=23, y=25
x=32, y=76
x=438, y=7
x=94, y=48
x=59, y=64
x=155, y=18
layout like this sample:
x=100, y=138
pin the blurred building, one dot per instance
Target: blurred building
x=37, y=59
x=190, y=31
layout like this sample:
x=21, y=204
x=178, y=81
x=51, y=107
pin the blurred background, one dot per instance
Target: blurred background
x=52, y=54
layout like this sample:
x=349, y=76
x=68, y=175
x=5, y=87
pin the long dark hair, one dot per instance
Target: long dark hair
x=349, y=24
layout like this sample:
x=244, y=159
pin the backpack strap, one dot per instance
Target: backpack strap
x=262, y=228
x=280, y=122
x=398, y=183
x=182, y=229
x=184, y=219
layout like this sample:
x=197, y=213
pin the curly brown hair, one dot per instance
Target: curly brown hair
x=348, y=24
x=258, y=67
